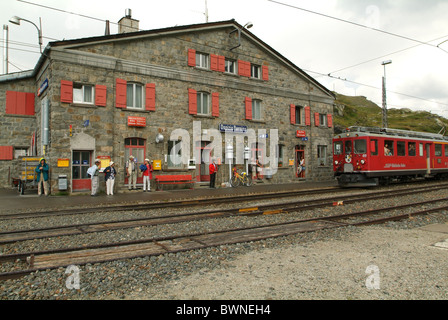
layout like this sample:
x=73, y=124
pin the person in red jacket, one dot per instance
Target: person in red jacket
x=213, y=168
x=147, y=176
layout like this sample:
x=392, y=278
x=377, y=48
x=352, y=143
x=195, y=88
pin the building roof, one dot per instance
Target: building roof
x=160, y=32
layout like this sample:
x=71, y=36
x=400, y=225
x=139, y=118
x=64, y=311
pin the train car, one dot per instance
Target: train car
x=366, y=156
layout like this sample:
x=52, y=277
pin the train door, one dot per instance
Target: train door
x=428, y=157
x=300, y=162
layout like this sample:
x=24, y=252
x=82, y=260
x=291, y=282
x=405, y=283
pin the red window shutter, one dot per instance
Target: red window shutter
x=100, y=95
x=221, y=63
x=316, y=119
x=11, y=102
x=6, y=152
x=265, y=71
x=66, y=91
x=213, y=62
x=244, y=68
x=192, y=57
x=192, y=101
x=307, y=116
x=150, y=97
x=215, y=104
x=248, y=103
x=120, y=93
x=29, y=104
x=330, y=120
x=292, y=111
x=21, y=103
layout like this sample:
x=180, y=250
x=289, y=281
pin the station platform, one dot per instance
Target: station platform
x=11, y=200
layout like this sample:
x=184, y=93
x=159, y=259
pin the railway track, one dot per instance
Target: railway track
x=157, y=246
x=74, y=229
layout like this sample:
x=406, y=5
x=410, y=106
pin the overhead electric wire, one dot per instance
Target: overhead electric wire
x=309, y=11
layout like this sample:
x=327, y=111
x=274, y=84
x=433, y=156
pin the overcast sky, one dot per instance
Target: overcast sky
x=350, y=47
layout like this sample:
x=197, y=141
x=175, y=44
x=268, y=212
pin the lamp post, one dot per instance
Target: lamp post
x=384, y=63
x=16, y=20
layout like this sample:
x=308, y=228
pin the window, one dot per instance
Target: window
x=80, y=164
x=20, y=152
x=388, y=147
x=322, y=155
x=446, y=150
x=338, y=148
x=202, y=60
x=411, y=149
x=296, y=114
x=322, y=119
x=438, y=150
x=134, y=96
x=420, y=150
x=230, y=66
x=361, y=146
x=373, y=147
x=348, y=146
x=255, y=71
x=401, y=148
x=203, y=100
x=280, y=155
x=256, y=109
x=299, y=114
x=174, y=154
x=83, y=93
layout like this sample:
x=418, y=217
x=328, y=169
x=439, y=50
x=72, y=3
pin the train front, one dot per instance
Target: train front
x=351, y=161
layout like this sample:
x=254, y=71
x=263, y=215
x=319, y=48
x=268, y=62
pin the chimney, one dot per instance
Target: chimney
x=127, y=24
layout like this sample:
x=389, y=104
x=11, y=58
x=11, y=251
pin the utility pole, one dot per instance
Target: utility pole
x=385, y=124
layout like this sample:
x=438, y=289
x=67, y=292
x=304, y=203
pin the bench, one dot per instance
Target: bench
x=173, y=179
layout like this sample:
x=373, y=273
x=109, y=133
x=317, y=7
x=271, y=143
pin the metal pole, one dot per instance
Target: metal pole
x=5, y=48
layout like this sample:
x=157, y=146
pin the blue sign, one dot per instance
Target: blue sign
x=86, y=123
x=42, y=88
x=232, y=128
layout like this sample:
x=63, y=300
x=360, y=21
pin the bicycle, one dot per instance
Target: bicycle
x=240, y=178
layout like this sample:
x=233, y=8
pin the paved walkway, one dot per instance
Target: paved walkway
x=11, y=199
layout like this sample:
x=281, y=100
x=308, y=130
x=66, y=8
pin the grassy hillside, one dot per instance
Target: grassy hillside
x=358, y=111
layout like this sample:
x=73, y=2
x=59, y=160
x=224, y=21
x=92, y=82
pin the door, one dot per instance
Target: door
x=203, y=173
x=81, y=161
x=300, y=162
x=257, y=155
x=137, y=148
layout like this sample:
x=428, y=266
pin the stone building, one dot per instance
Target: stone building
x=179, y=96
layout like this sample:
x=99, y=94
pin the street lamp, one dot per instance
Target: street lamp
x=384, y=63
x=16, y=20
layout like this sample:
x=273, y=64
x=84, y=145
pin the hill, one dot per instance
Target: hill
x=359, y=111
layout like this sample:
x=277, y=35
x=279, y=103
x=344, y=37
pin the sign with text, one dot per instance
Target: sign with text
x=300, y=133
x=136, y=122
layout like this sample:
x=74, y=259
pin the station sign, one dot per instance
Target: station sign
x=300, y=133
x=232, y=128
x=136, y=122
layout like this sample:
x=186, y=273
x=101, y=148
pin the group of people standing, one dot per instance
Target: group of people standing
x=131, y=173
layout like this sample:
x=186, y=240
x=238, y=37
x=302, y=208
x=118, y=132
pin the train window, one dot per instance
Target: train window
x=374, y=147
x=401, y=148
x=411, y=149
x=438, y=150
x=338, y=147
x=360, y=146
x=420, y=150
x=388, y=147
x=446, y=150
x=348, y=146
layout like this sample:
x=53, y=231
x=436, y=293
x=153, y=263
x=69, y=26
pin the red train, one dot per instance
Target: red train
x=366, y=156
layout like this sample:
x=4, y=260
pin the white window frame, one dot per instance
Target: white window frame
x=133, y=104
x=231, y=66
x=202, y=60
x=322, y=155
x=256, y=109
x=80, y=93
x=255, y=71
x=322, y=119
x=203, y=108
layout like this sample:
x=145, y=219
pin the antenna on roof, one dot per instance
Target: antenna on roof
x=206, y=12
